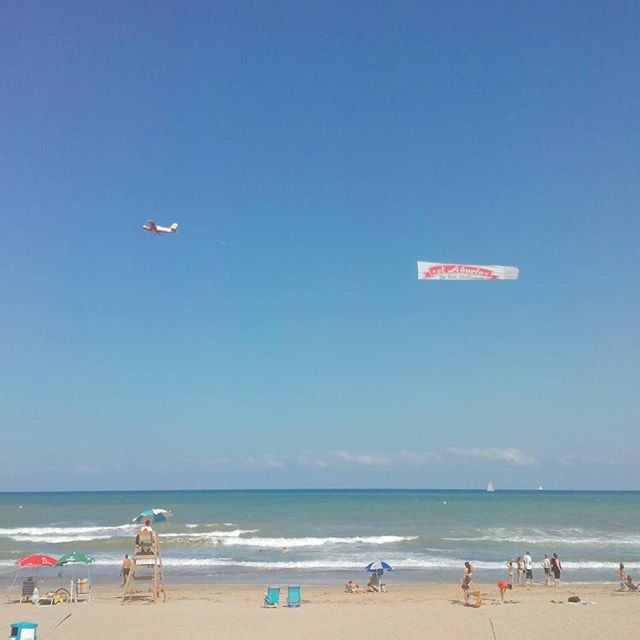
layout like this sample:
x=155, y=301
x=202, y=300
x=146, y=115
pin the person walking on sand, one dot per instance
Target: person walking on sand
x=467, y=581
x=622, y=577
x=510, y=571
x=546, y=566
x=528, y=567
x=556, y=569
x=520, y=566
x=126, y=568
x=503, y=585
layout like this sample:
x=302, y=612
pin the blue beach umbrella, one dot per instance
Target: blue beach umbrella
x=155, y=515
x=378, y=565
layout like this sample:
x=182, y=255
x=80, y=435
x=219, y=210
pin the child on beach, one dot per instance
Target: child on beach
x=510, y=571
x=503, y=585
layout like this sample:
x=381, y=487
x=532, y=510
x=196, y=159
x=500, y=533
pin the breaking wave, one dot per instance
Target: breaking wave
x=56, y=535
x=235, y=539
x=538, y=536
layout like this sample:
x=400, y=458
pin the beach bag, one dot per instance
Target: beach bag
x=573, y=599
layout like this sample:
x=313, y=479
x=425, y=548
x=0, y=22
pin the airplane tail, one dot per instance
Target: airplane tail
x=174, y=227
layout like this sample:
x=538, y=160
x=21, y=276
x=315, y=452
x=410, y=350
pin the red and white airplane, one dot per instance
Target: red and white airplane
x=157, y=229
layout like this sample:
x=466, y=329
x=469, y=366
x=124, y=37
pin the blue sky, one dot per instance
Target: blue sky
x=312, y=152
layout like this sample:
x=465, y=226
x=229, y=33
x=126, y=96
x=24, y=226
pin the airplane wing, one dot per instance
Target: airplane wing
x=150, y=226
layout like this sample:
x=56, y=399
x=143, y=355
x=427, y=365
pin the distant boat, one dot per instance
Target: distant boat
x=540, y=488
x=490, y=486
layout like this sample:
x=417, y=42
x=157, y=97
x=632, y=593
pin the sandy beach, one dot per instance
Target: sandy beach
x=428, y=611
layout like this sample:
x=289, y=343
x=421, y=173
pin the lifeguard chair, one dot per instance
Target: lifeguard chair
x=146, y=566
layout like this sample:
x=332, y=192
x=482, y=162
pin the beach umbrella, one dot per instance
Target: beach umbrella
x=75, y=558
x=155, y=515
x=378, y=565
x=37, y=560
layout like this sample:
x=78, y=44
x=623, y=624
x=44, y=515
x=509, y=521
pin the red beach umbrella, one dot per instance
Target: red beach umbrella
x=37, y=560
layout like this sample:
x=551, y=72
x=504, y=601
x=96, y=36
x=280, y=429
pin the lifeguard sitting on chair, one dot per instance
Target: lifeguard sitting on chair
x=145, y=539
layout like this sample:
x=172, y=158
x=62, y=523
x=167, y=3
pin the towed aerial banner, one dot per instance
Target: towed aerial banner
x=451, y=271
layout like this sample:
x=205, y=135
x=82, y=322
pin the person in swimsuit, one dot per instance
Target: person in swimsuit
x=353, y=587
x=520, y=565
x=556, y=569
x=510, y=571
x=503, y=585
x=467, y=581
x=126, y=568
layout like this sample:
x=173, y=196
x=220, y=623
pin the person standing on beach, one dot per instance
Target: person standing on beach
x=520, y=566
x=467, y=581
x=126, y=568
x=528, y=567
x=546, y=565
x=622, y=576
x=556, y=569
x=510, y=571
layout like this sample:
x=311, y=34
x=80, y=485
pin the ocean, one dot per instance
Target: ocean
x=328, y=536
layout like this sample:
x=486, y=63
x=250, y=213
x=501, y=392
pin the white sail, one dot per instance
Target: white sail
x=540, y=488
x=490, y=486
x=453, y=271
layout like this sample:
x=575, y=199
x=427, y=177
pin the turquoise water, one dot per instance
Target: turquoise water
x=327, y=536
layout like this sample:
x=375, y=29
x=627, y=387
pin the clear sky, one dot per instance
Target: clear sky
x=311, y=153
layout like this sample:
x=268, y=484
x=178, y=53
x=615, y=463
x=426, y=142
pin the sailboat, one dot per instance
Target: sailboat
x=540, y=488
x=490, y=486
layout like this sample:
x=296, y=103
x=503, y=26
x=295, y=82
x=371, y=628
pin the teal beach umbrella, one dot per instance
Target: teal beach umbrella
x=155, y=515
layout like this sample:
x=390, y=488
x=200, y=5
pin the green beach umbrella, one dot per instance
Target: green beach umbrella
x=75, y=558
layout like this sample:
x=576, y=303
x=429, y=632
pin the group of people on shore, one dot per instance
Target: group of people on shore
x=374, y=585
x=520, y=571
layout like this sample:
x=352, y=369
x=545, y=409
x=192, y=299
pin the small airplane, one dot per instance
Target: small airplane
x=157, y=229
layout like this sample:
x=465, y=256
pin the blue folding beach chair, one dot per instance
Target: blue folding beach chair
x=272, y=597
x=293, y=596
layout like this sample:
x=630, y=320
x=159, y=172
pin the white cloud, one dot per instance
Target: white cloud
x=610, y=459
x=361, y=459
x=343, y=459
x=510, y=456
x=364, y=459
x=417, y=457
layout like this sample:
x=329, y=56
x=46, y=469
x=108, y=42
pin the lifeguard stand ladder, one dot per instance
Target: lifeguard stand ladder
x=146, y=567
